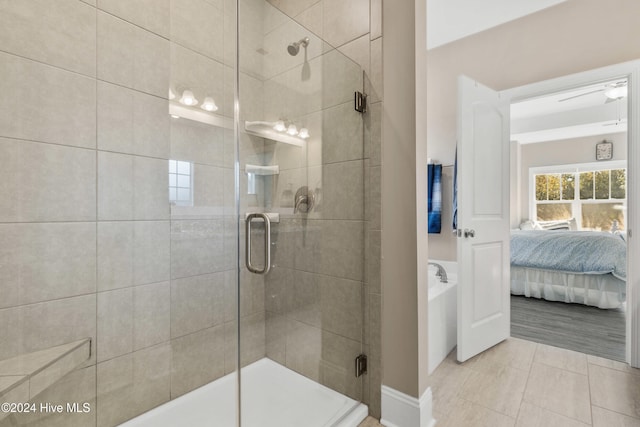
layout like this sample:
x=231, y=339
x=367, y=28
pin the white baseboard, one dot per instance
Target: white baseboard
x=401, y=410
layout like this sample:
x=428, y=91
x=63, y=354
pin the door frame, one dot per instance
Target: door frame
x=631, y=71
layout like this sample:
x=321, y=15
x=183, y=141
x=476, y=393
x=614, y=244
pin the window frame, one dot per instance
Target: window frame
x=576, y=203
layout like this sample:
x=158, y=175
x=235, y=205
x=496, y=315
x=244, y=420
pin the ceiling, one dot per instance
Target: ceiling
x=548, y=118
x=449, y=20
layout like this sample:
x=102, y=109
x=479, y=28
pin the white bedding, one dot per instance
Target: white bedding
x=599, y=290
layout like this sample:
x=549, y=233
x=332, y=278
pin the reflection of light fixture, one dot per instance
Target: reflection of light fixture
x=188, y=98
x=175, y=116
x=304, y=133
x=616, y=92
x=171, y=94
x=279, y=126
x=209, y=104
x=292, y=130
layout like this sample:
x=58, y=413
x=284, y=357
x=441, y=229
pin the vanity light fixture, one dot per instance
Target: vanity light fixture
x=304, y=133
x=616, y=92
x=292, y=130
x=188, y=98
x=209, y=104
x=279, y=126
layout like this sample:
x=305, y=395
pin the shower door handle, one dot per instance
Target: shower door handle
x=267, y=243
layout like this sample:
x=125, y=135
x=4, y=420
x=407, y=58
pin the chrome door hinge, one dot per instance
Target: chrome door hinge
x=361, y=365
x=360, y=102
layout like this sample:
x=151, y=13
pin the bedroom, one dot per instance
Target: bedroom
x=538, y=59
x=569, y=175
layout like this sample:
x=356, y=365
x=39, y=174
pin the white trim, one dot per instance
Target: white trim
x=401, y=410
x=631, y=71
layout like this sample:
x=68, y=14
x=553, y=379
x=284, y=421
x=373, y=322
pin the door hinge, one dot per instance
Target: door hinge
x=361, y=365
x=360, y=102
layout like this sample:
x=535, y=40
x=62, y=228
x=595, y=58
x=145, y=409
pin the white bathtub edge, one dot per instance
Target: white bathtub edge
x=355, y=417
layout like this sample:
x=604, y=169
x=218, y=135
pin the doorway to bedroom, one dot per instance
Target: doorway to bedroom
x=569, y=203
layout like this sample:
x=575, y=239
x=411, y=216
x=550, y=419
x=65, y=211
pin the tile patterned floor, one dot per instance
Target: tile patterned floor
x=523, y=384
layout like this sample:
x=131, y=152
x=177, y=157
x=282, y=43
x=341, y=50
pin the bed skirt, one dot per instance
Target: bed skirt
x=598, y=290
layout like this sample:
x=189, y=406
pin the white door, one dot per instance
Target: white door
x=483, y=218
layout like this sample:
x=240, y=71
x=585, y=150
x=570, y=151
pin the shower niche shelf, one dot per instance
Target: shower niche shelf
x=266, y=130
x=25, y=376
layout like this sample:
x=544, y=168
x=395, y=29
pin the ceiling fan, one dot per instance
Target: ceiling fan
x=613, y=92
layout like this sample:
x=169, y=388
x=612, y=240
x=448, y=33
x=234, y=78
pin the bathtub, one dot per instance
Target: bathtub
x=443, y=312
x=272, y=395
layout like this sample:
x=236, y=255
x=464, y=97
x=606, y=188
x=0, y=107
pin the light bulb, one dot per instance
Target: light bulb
x=304, y=133
x=279, y=126
x=209, y=104
x=292, y=130
x=188, y=98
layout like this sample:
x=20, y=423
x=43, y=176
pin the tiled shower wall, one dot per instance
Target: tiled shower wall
x=90, y=245
x=314, y=329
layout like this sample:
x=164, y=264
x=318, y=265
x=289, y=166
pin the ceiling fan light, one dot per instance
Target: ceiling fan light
x=617, y=92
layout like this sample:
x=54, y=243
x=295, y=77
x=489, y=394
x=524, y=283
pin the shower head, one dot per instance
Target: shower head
x=294, y=47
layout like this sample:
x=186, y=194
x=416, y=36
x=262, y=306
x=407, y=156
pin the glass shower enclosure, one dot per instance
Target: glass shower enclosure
x=182, y=213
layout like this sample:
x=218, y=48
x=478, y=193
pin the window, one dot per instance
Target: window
x=594, y=195
x=180, y=183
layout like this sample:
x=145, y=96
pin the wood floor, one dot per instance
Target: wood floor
x=575, y=327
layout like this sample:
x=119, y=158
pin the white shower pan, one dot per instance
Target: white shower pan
x=272, y=395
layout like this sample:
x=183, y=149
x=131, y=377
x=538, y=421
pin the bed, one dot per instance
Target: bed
x=583, y=267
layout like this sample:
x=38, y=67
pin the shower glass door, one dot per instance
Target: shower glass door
x=300, y=164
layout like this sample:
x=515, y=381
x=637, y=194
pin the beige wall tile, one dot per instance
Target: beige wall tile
x=53, y=373
x=293, y=7
x=115, y=255
x=303, y=349
x=133, y=384
x=305, y=302
x=19, y=393
x=198, y=25
x=58, y=322
x=11, y=335
x=373, y=262
x=196, y=360
x=151, y=314
x=132, y=122
x=278, y=289
x=615, y=390
x=47, y=182
x=373, y=133
x=115, y=186
x=337, y=366
x=38, y=29
x=152, y=15
x=312, y=18
x=196, y=303
x=196, y=247
x=560, y=391
x=342, y=191
x=375, y=19
x=345, y=21
x=151, y=252
x=198, y=73
x=40, y=262
x=341, y=307
x=252, y=338
x=341, y=77
x=132, y=57
x=150, y=189
x=605, y=418
x=208, y=191
x=115, y=323
x=374, y=92
x=342, y=134
x=55, y=105
x=197, y=142
x=341, y=246
x=77, y=386
x=276, y=337
x=358, y=51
